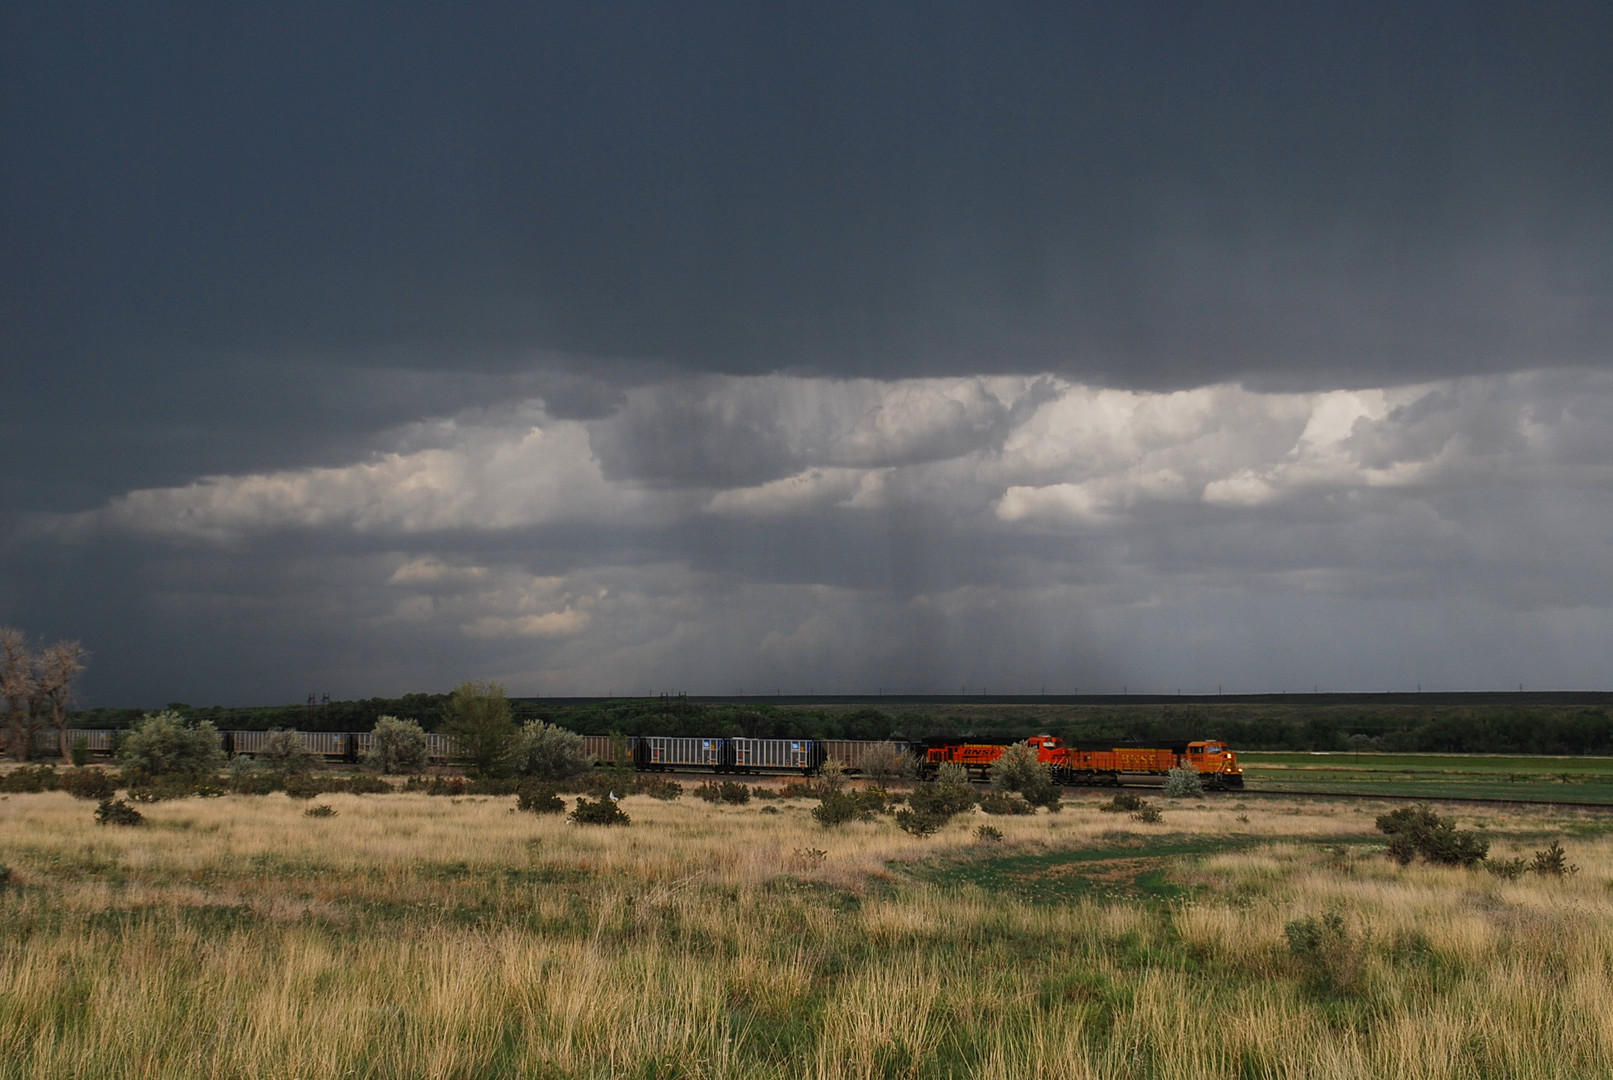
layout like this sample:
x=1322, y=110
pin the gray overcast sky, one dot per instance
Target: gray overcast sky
x=645, y=346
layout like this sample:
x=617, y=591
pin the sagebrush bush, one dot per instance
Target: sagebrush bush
x=1147, y=813
x=550, y=753
x=396, y=746
x=286, y=752
x=883, y=761
x=1418, y=831
x=930, y=806
x=539, y=799
x=117, y=812
x=83, y=783
x=436, y=785
x=1184, y=782
x=1124, y=802
x=659, y=788
x=995, y=802
x=839, y=807
x=599, y=812
x=163, y=744
x=27, y=781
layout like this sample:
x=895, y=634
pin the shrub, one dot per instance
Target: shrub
x=1147, y=813
x=1124, y=802
x=762, y=791
x=117, y=812
x=436, y=785
x=599, y=812
x=883, y=761
x=174, y=787
x=733, y=794
x=163, y=744
x=256, y=783
x=287, y=753
x=1329, y=956
x=319, y=810
x=798, y=789
x=84, y=783
x=1020, y=770
x=993, y=802
x=1553, y=862
x=839, y=807
x=660, y=788
x=1184, y=783
x=304, y=787
x=78, y=752
x=1510, y=869
x=494, y=785
x=831, y=775
x=540, y=799
x=28, y=780
x=932, y=805
x=5, y=875
x=1017, y=767
x=987, y=834
x=1418, y=830
x=396, y=746
x=550, y=753
x=364, y=784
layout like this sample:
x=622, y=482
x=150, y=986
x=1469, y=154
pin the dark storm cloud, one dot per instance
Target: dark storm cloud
x=882, y=345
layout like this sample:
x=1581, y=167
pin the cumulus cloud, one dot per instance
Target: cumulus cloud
x=916, y=526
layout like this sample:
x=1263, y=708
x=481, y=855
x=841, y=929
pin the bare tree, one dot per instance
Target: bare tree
x=18, y=687
x=58, y=666
x=36, y=688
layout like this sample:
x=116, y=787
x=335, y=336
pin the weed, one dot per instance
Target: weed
x=987, y=834
x=319, y=810
x=1147, y=813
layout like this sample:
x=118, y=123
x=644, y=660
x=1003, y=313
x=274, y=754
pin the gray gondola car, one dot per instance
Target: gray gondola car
x=753, y=754
x=98, y=740
x=670, y=751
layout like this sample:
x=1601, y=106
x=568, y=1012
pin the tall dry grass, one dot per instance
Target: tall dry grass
x=418, y=937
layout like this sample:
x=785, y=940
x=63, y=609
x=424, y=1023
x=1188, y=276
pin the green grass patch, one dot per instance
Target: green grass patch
x=1474, y=776
x=1129, y=866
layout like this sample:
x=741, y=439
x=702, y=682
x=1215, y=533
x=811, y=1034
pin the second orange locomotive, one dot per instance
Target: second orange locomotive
x=1097, y=763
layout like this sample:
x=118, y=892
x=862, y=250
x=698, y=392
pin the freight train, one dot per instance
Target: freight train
x=1072, y=763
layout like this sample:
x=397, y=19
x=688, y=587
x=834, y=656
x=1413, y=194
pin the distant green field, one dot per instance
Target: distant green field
x=1489, y=776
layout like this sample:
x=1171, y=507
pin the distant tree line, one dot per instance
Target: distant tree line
x=1492, y=728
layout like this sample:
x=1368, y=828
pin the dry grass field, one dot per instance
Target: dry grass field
x=409, y=936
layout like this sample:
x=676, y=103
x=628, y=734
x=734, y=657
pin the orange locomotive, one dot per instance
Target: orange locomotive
x=1097, y=763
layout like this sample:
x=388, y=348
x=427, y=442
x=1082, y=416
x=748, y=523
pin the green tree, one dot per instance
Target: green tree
x=482, y=726
x=396, y=746
x=550, y=753
x=163, y=744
